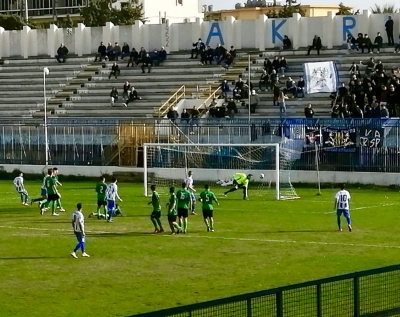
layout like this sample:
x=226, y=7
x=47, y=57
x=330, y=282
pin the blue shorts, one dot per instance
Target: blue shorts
x=23, y=192
x=43, y=192
x=110, y=205
x=80, y=237
x=193, y=197
x=343, y=212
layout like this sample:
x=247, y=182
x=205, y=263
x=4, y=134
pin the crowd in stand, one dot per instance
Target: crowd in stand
x=220, y=55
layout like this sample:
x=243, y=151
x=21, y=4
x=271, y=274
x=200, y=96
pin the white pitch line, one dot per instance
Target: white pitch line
x=224, y=238
x=365, y=207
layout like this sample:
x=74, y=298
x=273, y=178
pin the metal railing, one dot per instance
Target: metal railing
x=203, y=108
x=173, y=101
x=369, y=293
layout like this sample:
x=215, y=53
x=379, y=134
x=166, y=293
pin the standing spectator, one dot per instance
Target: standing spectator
x=117, y=51
x=172, y=115
x=197, y=47
x=185, y=116
x=254, y=101
x=263, y=82
x=384, y=113
x=378, y=42
x=282, y=104
x=125, y=50
x=62, y=53
x=370, y=66
x=195, y=116
x=126, y=90
x=147, y=62
x=301, y=84
x=110, y=52
x=389, y=30
x=354, y=70
x=114, y=71
x=133, y=58
x=287, y=43
x=133, y=95
x=316, y=45
x=282, y=66
x=113, y=96
x=309, y=111
x=224, y=89
x=162, y=55
x=101, y=52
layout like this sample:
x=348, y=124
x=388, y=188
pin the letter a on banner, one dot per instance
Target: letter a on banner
x=215, y=31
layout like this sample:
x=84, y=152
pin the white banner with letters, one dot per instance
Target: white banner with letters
x=321, y=77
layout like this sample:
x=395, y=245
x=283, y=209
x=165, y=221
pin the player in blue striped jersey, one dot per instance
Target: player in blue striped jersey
x=111, y=196
x=342, y=206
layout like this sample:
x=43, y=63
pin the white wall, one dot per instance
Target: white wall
x=260, y=34
x=309, y=177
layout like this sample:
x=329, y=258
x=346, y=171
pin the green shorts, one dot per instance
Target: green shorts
x=155, y=214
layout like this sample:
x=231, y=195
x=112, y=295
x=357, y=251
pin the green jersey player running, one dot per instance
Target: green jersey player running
x=43, y=203
x=58, y=202
x=206, y=198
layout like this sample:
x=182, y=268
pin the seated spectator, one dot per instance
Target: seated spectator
x=125, y=50
x=316, y=45
x=133, y=95
x=220, y=53
x=254, y=101
x=224, y=89
x=238, y=90
x=247, y=88
x=309, y=111
x=275, y=63
x=379, y=68
x=117, y=51
x=232, y=108
x=291, y=87
x=268, y=65
x=287, y=43
x=203, y=57
x=185, y=116
x=62, y=53
x=232, y=52
x=142, y=55
x=351, y=43
x=113, y=96
x=282, y=65
x=264, y=79
x=397, y=48
x=210, y=54
x=126, y=90
x=101, y=52
x=114, y=71
x=133, y=58
x=155, y=58
x=197, y=47
x=378, y=42
x=162, y=55
x=110, y=52
x=147, y=62
x=360, y=40
x=301, y=84
x=228, y=60
x=172, y=115
x=195, y=117
x=366, y=44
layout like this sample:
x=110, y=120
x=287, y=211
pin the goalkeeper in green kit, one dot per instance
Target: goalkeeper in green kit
x=240, y=180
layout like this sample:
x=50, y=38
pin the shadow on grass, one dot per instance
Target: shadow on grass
x=32, y=258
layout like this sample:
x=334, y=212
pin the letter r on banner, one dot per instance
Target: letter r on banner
x=349, y=23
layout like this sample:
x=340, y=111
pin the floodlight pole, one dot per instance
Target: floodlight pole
x=46, y=139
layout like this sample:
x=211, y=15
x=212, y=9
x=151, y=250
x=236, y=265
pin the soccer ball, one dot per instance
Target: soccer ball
x=262, y=176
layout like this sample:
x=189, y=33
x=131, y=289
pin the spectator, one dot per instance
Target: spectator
x=110, y=52
x=133, y=58
x=62, y=53
x=366, y=44
x=185, y=116
x=287, y=43
x=228, y=60
x=210, y=54
x=247, y=88
x=342, y=92
x=267, y=66
x=301, y=84
x=254, y=101
x=335, y=113
x=291, y=87
x=232, y=108
x=379, y=69
x=203, y=57
x=162, y=55
x=389, y=25
x=360, y=41
x=368, y=113
x=316, y=45
x=238, y=90
x=101, y=52
x=309, y=111
x=155, y=58
x=264, y=79
x=224, y=89
x=197, y=47
x=125, y=50
x=195, y=116
x=142, y=54
x=351, y=43
x=384, y=113
x=172, y=115
x=126, y=90
x=282, y=65
x=220, y=52
x=232, y=52
x=133, y=95
x=370, y=66
x=378, y=42
x=113, y=96
x=274, y=78
x=147, y=62
x=277, y=92
x=354, y=70
x=282, y=104
x=275, y=64
x=397, y=48
x=114, y=71
x=117, y=51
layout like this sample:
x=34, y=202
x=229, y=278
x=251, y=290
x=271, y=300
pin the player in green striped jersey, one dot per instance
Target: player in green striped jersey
x=173, y=212
x=58, y=202
x=206, y=198
x=156, y=214
x=101, y=199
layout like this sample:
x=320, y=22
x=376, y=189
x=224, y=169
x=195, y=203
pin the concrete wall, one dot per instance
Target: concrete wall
x=261, y=34
x=310, y=177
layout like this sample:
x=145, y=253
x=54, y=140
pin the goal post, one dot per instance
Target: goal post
x=167, y=165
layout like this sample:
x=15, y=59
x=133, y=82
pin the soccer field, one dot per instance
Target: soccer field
x=256, y=245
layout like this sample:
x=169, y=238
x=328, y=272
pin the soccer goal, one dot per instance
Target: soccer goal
x=167, y=165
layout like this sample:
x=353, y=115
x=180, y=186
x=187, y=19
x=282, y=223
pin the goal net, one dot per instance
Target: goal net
x=167, y=165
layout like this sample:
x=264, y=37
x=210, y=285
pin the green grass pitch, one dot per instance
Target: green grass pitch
x=257, y=244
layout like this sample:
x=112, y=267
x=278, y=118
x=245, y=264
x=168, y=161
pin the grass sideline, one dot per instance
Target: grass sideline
x=257, y=245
